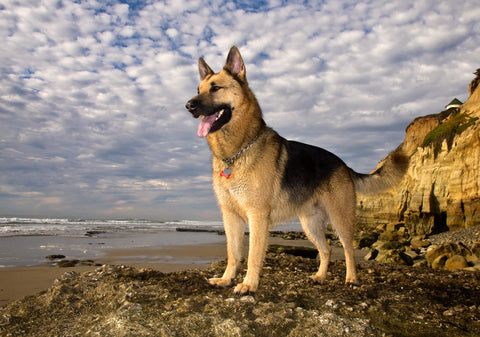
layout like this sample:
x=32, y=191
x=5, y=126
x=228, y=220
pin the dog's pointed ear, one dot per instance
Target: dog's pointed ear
x=235, y=63
x=204, y=69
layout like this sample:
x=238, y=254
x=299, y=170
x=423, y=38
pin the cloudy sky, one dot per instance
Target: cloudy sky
x=92, y=93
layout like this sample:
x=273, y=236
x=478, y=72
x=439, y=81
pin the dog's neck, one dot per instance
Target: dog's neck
x=228, y=141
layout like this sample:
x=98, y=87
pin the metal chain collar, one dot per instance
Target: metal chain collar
x=229, y=161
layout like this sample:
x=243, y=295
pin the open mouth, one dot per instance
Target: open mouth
x=214, y=122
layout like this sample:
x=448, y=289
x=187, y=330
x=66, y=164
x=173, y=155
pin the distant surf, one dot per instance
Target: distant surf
x=27, y=241
x=16, y=226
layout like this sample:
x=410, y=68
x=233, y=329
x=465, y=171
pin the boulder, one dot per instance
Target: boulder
x=365, y=240
x=55, y=257
x=421, y=263
x=449, y=250
x=413, y=254
x=395, y=256
x=456, y=262
x=371, y=255
x=418, y=244
x=439, y=261
x=67, y=263
x=388, y=236
x=475, y=249
x=394, y=244
x=395, y=226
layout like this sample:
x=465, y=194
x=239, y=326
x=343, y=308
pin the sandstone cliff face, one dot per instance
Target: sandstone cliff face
x=441, y=190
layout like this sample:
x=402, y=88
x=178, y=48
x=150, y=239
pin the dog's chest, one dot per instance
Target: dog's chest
x=236, y=187
x=234, y=190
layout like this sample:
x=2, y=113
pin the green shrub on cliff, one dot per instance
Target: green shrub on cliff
x=447, y=130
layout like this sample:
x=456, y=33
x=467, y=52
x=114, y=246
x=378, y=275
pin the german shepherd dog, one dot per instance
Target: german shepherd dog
x=260, y=178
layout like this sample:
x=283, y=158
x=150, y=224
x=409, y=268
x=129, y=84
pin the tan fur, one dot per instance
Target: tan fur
x=256, y=193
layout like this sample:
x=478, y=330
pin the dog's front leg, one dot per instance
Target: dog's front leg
x=256, y=254
x=234, y=231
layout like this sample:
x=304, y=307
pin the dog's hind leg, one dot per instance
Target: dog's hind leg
x=234, y=232
x=341, y=211
x=313, y=224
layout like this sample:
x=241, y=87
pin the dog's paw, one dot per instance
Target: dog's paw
x=317, y=279
x=244, y=289
x=219, y=282
x=353, y=285
x=352, y=281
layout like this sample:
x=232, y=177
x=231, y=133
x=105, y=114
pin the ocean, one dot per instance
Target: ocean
x=27, y=241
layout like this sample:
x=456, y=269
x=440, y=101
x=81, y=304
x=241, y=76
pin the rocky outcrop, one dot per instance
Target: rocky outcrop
x=474, y=84
x=441, y=190
x=458, y=251
x=392, y=300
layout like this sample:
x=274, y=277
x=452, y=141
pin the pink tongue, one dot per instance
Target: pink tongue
x=205, y=125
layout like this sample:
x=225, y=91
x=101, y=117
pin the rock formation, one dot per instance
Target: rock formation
x=116, y=301
x=474, y=84
x=457, y=250
x=441, y=190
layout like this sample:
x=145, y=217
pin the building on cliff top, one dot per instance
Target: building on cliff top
x=455, y=103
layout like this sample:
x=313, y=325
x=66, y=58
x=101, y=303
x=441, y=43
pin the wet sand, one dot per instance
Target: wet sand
x=18, y=282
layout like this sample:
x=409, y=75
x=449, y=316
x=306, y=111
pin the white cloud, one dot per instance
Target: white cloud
x=92, y=93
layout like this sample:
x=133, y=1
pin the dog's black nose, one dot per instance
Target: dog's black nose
x=191, y=105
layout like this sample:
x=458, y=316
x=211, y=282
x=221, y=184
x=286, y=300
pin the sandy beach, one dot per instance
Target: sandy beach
x=17, y=282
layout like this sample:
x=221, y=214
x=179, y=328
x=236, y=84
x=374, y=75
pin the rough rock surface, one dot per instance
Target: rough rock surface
x=392, y=300
x=453, y=250
x=441, y=190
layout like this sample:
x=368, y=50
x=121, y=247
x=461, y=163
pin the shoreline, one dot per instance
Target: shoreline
x=18, y=282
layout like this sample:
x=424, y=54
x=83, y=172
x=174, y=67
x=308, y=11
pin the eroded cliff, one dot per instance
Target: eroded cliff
x=441, y=190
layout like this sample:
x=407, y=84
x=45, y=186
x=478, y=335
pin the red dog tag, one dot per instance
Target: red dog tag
x=226, y=173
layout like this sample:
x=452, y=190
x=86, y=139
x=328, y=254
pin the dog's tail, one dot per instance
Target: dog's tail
x=388, y=173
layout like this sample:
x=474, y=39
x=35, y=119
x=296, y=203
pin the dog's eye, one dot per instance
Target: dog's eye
x=215, y=88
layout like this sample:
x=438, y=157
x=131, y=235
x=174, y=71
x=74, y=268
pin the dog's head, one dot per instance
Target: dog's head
x=218, y=93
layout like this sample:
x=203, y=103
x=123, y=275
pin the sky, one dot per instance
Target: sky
x=92, y=93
